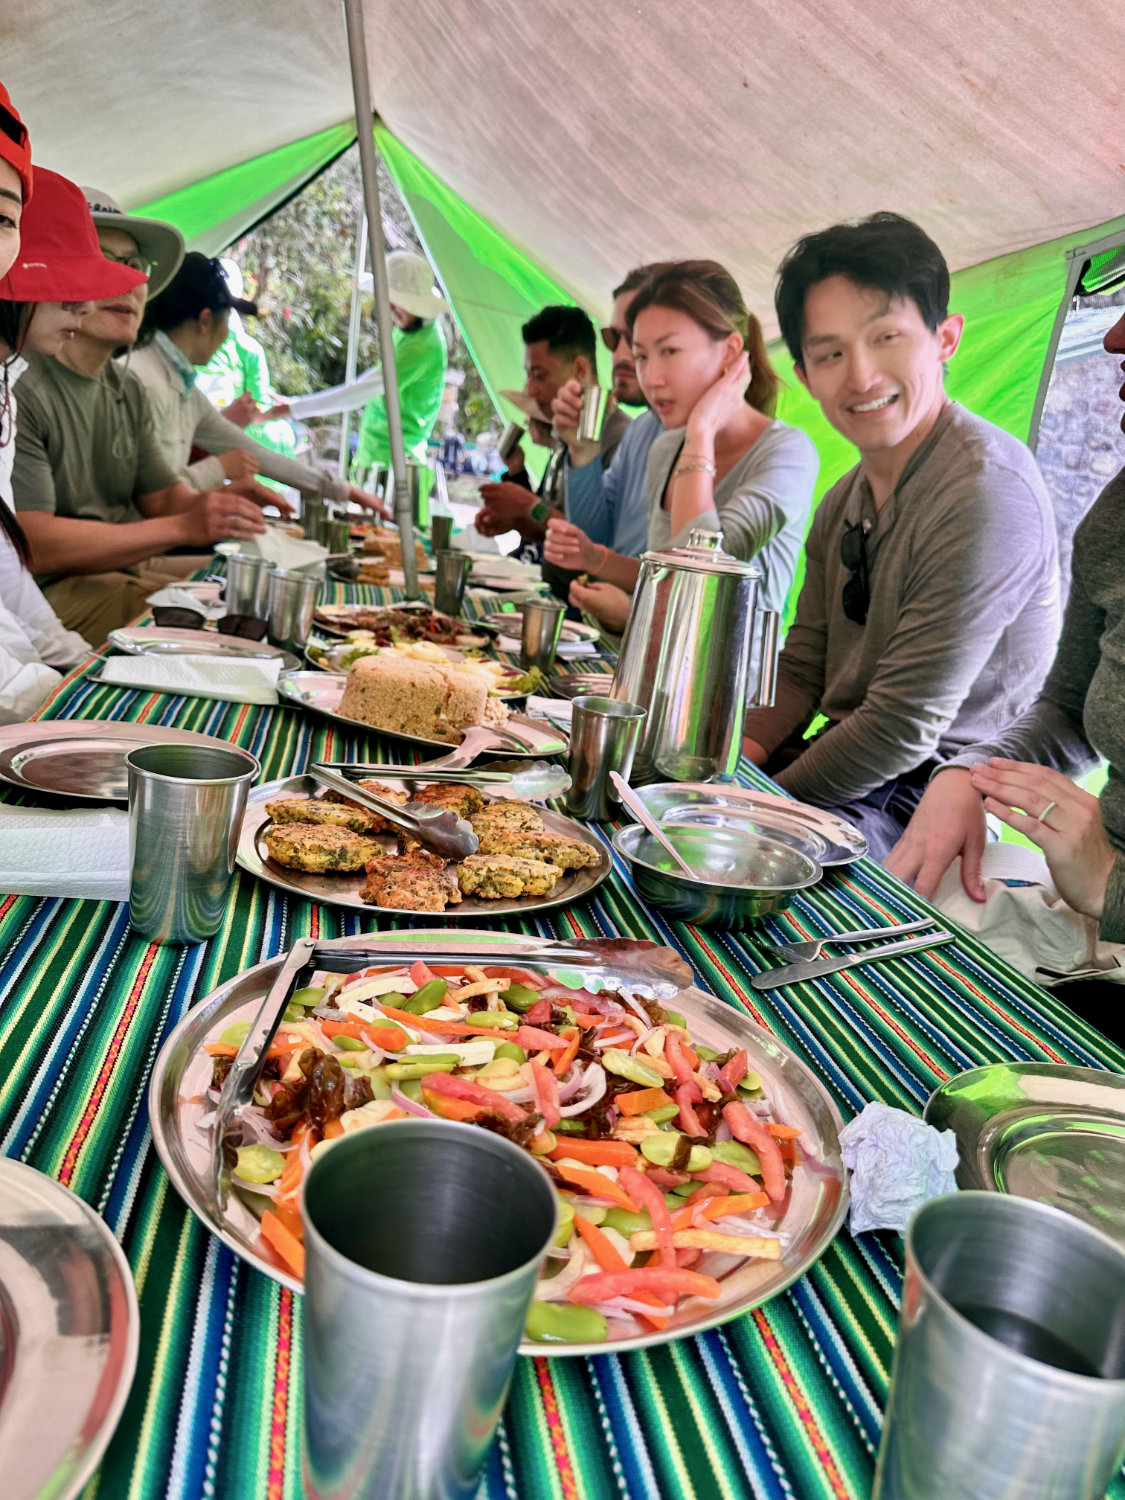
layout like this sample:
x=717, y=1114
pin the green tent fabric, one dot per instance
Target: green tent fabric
x=213, y=213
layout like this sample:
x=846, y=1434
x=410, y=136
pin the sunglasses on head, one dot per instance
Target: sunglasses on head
x=611, y=337
x=853, y=555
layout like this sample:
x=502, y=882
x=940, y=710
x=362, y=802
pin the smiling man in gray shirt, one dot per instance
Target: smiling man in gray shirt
x=930, y=608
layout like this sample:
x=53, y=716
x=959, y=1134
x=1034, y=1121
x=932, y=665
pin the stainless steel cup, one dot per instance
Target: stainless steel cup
x=290, y=603
x=441, y=533
x=247, y=585
x=604, y=734
x=185, y=813
x=539, y=638
x=509, y=440
x=314, y=516
x=595, y=400
x=449, y=580
x=337, y=536
x=423, y=1241
x=1009, y=1373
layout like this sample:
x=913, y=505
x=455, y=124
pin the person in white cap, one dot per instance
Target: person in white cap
x=421, y=359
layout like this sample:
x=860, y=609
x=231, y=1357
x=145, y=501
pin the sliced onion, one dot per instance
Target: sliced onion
x=724, y=1132
x=607, y=1005
x=270, y=1189
x=636, y=1007
x=555, y=1288
x=408, y=1104
x=619, y=1305
x=615, y=1039
x=594, y=1089
x=572, y=1084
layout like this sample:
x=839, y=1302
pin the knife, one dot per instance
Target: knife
x=817, y=968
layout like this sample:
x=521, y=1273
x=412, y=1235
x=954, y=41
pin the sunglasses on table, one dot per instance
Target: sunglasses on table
x=857, y=590
x=611, y=337
x=134, y=262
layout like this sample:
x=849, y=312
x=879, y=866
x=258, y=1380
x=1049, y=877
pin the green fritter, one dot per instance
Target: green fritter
x=316, y=810
x=320, y=850
x=499, y=877
x=551, y=848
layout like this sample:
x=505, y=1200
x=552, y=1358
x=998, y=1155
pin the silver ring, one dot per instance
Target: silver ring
x=1042, y=818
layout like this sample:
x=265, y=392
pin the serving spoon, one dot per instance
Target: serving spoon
x=643, y=816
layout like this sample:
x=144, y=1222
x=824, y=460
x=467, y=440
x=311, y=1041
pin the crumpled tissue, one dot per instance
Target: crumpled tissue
x=897, y=1162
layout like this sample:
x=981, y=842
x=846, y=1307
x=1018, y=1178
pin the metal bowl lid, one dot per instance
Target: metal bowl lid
x=702, y=560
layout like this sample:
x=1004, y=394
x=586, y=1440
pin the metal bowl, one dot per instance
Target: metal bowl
x=778, y=826
x=744, y=877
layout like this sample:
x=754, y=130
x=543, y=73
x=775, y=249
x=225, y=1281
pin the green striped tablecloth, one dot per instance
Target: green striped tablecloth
x=784, y=1402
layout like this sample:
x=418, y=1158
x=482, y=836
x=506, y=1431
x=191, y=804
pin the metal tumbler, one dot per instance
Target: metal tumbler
x=539, y=639
x=441, y=532
x=247, y=585
x=185, y=813
x=337, y=536
x=1009, y=1373
x=591, y=420
x=291, y=601
x=510, y=440
x=314, y=516
x=423, y=1240
x=452, y=572
x=604, y=734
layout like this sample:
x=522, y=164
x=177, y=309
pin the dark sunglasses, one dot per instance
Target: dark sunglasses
x=853, y=555
x=611, y=337
x=244, y=626
x=173, y=617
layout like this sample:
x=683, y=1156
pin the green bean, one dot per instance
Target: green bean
x=395, y=1001
x=520, y=997
x=350, y=1043
x=307, y=997
x=440, y=1062
x=735, y=1154
x=567, y=1127
x=628, y=1067
x=662, y=1149
x=565, y=1323
x=497, y=1019
x=626, y=1223
x=412, y=1088
x=593, y=1213
x=235, y=1034
x=705, y=1054
x=566, y=1221
x=662, y=1115
x=516, y=1053
x=674, y=1018
x=428, y=998
x=259, y=1163
x=377, y=1078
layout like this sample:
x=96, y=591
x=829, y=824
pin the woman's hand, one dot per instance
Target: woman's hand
x=608, y=604
x=568, y=546
x=948, y=821
x=719, y=404
x=1063, y=820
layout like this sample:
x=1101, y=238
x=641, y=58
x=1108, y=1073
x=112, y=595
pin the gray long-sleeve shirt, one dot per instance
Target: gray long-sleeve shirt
x=962, y=624
x=1081, y=711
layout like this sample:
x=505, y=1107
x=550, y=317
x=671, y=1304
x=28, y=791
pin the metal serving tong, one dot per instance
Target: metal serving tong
x=240, y=1082
x=359, y=770
x=439, y=828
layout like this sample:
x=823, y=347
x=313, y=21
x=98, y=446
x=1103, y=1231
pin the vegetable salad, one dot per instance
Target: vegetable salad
x=662, y=1151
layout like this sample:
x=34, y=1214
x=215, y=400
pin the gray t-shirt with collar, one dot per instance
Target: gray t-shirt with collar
x=962, y=624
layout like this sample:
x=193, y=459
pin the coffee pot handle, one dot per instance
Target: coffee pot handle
x=767, y=661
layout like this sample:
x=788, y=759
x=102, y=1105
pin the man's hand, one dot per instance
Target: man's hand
x=261, y=494
x=237, y=464
x=719, y=404
x=517, y=463
x=948, y=821
x=242, y=411
x=369, y=502
x=1063, y=820
x=568, y=546
x=218, y=514
x=565, y=411
x=505, y=506
x=608, y=604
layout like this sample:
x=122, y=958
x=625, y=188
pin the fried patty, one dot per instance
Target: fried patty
x=504, y=816
x=318, y=849
x=410, y=882
x=378, y=823
x=318, y=810
x=499, y=877
x=551, y=848
x=463, y=800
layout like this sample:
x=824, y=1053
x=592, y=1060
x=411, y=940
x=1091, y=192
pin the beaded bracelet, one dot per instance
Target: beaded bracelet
x=700, y=466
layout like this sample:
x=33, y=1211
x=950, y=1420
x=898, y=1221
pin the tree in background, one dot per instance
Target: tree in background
x=298, y=266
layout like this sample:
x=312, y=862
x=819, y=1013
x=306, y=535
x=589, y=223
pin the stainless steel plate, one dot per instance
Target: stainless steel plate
x=343, y=890
x=83, y=760
x=69, y=1330
x=322, y=691
x=154, y=640
x=1041, y=1130
x=814, y=1209
x=510, y=623
x=704, y=802
x=581, y=684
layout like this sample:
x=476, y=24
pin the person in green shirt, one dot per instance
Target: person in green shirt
x=421, y=359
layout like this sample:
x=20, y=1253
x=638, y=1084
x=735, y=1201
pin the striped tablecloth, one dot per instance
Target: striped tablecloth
x=784, y=1402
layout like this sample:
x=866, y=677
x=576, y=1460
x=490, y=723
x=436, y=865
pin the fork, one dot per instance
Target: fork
x=811, y=949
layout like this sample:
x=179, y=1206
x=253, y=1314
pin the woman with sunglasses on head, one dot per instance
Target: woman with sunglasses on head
x=51, y=270
x=723, y=463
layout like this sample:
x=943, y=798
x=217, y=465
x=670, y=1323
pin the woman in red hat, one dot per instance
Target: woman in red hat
x=51, y=272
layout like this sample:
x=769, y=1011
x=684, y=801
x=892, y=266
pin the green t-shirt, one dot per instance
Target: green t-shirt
x=85, y=448
x=420, y=364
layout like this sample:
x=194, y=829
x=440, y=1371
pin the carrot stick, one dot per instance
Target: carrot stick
x=609, y=1259
x=563, y=1060
x=591, y=1181
x=596, y=1153
x=284, y=1243
x=640, y=1101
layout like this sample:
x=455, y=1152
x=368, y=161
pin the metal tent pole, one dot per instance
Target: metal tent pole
x=353, y=341
x=365, y=123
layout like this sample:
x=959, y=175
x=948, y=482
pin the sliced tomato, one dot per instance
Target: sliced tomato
x=449, y=1086
x=748, y=1129
x=666, y=1281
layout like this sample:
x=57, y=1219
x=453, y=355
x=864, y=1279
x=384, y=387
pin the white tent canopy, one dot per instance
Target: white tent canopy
x=600, y=136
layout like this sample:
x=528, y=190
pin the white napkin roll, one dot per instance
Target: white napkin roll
x=175, y=597
x=555, y=710
x=197, y=676
x=69, y=853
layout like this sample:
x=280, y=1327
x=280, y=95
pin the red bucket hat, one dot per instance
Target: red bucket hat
x=60, y=259
x=16, y=153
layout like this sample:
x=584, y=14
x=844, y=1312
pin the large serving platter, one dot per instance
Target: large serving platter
x=814, y=1207
x=1046, y=1131
x=343, y=619
x=81, y=759
x=156, y=640
x=744, y=808
x=343, y=890
x=69, y=1332
x=322, y=691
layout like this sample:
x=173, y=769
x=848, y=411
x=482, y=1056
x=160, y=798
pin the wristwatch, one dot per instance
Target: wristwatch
x=539, y=512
